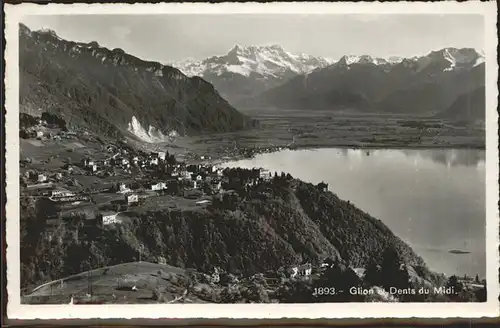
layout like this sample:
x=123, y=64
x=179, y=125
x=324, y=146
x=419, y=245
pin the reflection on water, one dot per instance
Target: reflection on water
x=433, y=199
x=451, y=157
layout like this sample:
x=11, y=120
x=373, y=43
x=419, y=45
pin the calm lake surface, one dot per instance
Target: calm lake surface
x=432, y=199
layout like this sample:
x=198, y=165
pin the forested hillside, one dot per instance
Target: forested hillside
x=113, y=93
x=282, y=222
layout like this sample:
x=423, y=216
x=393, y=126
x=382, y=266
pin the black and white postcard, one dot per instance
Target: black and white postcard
x=297, y=160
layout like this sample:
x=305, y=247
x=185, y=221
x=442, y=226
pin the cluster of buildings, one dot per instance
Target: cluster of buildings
x=144, y=175
x=122, y=159
x=306, y=269
x=33, y=178
x=43, y=130
x=176, y=177
x=303, y=270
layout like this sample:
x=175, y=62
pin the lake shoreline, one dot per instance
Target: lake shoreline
x=400, y=186
x=216, y=160
x=218, y=146
x=320, y=129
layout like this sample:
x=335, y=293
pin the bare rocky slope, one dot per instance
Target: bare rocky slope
x=113, y=93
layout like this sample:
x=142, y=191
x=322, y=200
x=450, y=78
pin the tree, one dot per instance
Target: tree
x=230, y=294
x=373, y=274
x=256, y=292
x=338, y=280
x=455, y=284
x=207, y=188
x=477, y=279
x=481, y=294
x=393, y=271
x=295, y=291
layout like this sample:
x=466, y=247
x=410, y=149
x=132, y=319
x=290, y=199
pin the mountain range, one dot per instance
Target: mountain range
x=429, y=84
x=116, y=94
x=246, y=71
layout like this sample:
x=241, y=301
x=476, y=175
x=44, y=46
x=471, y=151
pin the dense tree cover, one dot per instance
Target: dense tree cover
x=462, y=293
x=281, y=222
x=358, y=236
x=373, y=273
x=394, y=273
x=53, y=119
x=27, y=121
x=114, y=87
x=341, y=278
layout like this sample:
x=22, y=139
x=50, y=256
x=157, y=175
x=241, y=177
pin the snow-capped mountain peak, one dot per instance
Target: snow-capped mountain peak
x=450, y=58
x=394, y=59
x=267, y=61
x=453, y=58
x=349, y=59
x=461, y=57
x=363, y=59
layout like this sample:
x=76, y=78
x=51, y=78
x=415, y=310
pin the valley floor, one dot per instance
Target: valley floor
x=320, y=129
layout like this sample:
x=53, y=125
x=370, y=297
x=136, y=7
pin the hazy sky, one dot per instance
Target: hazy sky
x=166, y=38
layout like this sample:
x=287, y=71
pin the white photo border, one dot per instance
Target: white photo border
x=16, y=310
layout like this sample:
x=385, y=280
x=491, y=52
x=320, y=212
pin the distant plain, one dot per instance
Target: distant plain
x=319, y=129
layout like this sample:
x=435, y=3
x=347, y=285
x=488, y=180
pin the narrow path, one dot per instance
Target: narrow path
x=184, y=294
x=45, y=284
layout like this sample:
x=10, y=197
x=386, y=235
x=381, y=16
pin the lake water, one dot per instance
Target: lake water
x=432, y=199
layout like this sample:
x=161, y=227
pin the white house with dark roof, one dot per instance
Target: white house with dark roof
x=110, y=218
x=60, y=192
x=42, y=178
x=124, y=188
x=303, y=270
x=132, y=199
x=159, y=186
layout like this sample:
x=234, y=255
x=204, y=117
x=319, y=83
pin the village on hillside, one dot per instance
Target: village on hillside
x=102, y=188
x=121, y=179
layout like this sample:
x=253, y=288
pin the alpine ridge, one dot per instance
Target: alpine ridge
x=249, y=70
x=112, y=93
x=417, y=85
